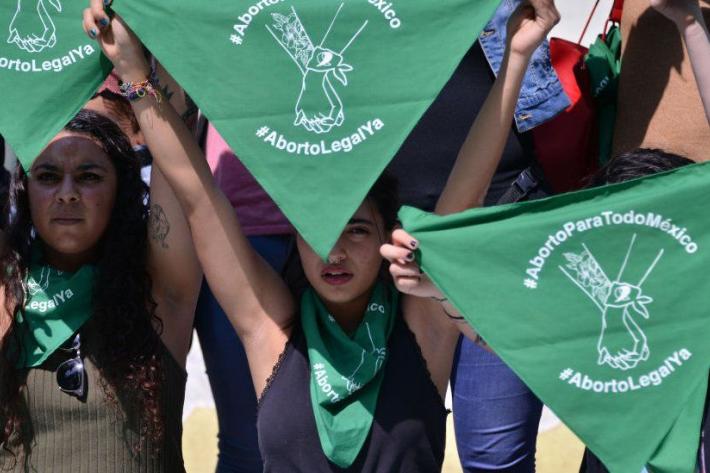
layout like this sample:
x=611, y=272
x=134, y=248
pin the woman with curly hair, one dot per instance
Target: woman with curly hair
x=99, y=289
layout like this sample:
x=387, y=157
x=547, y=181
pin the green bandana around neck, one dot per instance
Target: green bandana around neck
x=598, y=301
x=49, y=69
x=314, y=97
x=346, y=371
x=58, y=304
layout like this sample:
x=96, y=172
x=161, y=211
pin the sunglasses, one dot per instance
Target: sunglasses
x=71, y=375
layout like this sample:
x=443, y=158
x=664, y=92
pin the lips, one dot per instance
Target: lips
x=336, y=275
x=67, y=220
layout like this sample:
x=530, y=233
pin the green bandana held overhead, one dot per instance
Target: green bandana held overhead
x=58, y=304
x=49, y=68
x=314, y=97
x=598, y=301
x=346, y=371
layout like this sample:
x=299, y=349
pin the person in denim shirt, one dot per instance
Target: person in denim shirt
x=496, y=416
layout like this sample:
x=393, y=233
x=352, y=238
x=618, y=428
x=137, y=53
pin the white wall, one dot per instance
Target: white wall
x=574, y=15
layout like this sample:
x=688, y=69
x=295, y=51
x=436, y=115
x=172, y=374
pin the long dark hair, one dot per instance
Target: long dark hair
x=384, y=198
x=637, y=163
x=123, y=323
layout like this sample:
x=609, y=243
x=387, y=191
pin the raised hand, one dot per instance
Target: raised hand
x=117, y=41
x=680, y=12
x=405, y=271
x=530, y=24
x=32, y=28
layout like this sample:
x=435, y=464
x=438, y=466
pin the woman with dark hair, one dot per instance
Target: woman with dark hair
x=98, y=299
x=350, y=374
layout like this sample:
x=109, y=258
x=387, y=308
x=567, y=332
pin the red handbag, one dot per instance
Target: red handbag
x=567, y=146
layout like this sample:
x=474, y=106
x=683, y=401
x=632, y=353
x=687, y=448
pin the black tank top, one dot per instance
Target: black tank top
x=408, y=432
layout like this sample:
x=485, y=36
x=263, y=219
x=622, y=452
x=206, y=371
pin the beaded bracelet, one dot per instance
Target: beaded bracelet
x=137, y=90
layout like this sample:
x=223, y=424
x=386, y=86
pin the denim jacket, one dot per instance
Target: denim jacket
x=541, y=96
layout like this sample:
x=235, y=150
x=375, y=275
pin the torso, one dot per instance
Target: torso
x=69, y=435
x=409, y=427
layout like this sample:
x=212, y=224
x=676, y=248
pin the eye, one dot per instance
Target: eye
x=90, y=177
x=46, y=177
x=358, y=230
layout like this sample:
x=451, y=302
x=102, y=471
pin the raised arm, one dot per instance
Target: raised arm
x=254, y=297
x=472, y=173
x=688, y=17
x=481, y=152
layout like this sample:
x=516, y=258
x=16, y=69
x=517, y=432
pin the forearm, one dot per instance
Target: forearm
x=249, y=290
x=697, y=40
x=482, y=150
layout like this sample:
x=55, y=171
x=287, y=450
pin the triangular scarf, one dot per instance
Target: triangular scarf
x=347, y=371
x=598, y=300
x=57, y=305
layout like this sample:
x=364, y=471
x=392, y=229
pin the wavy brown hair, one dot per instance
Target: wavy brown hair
x=125, y=328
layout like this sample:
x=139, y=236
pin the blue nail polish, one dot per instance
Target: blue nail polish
x=104, y=22
x=107, y=2
x=92, y=32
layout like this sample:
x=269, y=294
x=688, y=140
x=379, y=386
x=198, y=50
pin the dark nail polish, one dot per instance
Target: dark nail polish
x=104, y=22
x=410, y=256
x=107, y=2
x=414, y=244
x=92, y=32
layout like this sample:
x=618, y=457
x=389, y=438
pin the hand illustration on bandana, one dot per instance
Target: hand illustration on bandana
x=32, y=28
x=319, y=108
x=622, y=343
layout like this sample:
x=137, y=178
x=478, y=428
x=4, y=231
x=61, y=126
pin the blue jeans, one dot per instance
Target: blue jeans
x=229, y=374
x=496, y=416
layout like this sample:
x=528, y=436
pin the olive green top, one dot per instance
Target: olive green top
x=93, y=435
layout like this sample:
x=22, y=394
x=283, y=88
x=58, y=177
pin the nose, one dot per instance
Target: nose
x=336, y=255
x=67, y=192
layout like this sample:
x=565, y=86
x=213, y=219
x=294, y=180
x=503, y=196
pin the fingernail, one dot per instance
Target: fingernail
x=414, y=244
x=104, y=22
x=410, y=256
x=93, y=32
x=107, y=2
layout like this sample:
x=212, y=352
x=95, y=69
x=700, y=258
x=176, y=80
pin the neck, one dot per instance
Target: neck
x=349, y=314
x=68, y=263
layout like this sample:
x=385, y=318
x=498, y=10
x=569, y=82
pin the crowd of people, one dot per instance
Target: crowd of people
x=107, y=236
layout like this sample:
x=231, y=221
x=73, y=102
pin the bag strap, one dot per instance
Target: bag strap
x=526, y=182
x=589, y=20
x=616, y=11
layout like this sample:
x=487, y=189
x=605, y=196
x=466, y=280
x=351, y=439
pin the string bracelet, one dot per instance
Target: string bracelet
x=134, y=91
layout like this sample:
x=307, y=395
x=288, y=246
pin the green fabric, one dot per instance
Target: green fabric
x=598, y=301
x=49, y=68
x=314, y=97
x=58, y=304
x=347, y=371
x=604, y=64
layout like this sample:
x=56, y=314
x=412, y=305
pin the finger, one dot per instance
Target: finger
x=402, y=238
x=407, y=284
x=396, y=253
x=90, y=27
x=398, y=270
x=101, y=18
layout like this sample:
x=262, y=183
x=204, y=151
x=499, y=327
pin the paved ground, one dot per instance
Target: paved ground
x=558, y=450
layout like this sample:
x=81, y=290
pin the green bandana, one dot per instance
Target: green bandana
x=347, y=371
x=49, y=68
x=58, y=304
x=604, y=64
x=598, y=301
x=314, y=97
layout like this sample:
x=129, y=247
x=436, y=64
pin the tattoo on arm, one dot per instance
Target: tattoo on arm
x=158, y=225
